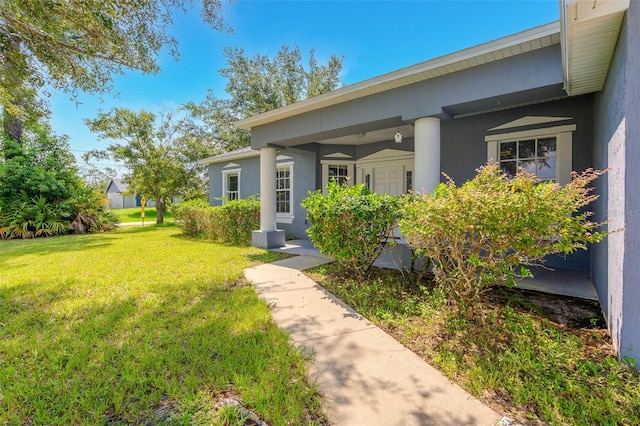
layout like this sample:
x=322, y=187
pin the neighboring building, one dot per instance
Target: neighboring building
x=119, y=199
x=556, y=98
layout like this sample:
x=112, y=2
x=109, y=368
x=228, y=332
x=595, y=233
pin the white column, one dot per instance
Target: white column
x=426, y=167
x=267, y=189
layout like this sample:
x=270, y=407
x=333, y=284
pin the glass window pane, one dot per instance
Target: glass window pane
x=528, y=166
x=232, y=184
x=509, y=167
x=547, y=147
x=527, y=149
x=546, y=168
x=507, y=151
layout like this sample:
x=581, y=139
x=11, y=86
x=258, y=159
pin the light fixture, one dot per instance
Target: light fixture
x=398, y=136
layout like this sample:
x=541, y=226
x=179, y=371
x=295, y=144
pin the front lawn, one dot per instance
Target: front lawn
x=523, y=354
x=141, y=326
x=134, y=215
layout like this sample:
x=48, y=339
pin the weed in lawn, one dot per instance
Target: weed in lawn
x=537, y=358
x=131, y=327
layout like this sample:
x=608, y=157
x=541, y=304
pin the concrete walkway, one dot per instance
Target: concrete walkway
x=367, y=377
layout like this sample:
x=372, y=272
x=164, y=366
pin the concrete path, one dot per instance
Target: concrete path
x=366, y=375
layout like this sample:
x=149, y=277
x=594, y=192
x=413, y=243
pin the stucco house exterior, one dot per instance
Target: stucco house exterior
x=555, y=98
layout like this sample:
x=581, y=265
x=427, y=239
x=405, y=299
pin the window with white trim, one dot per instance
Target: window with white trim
x=545, y=152
x=231, y=184
x=284, y=190
x=536, y=156
x=338, y=172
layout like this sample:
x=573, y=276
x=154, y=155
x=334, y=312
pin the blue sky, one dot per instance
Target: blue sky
x=374, y=37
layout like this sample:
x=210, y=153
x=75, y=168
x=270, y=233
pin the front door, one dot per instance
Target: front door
x=388, y=180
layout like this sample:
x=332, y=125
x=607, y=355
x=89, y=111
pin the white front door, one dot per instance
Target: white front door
x=388, y=180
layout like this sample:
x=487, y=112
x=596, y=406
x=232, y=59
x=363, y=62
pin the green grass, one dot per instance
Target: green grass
x=141, y=326
x=511, y=356
x=133, y=215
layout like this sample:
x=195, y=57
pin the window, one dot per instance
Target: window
x=536, y=156
x=231, y=184
x=545, y=152
x=283, y=190
x=338, y=172
x=409, y=180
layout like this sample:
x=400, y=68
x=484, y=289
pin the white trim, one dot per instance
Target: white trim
x=539, y=133
x=529, y=120
x=231, y=165
x=225, y=177
x=325, y=171
x=286, y=217
x=229, y=156
x=387, y=155
x=564, y=147
x=337, y=155
x=283, y=158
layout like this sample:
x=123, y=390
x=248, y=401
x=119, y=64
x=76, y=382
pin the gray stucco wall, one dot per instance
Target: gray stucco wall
x=249, y=178
x=535, y=74
x=616, y=265
x=303, y=181
x=463, y=149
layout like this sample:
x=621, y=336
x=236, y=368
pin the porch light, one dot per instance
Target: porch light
x=398, y=136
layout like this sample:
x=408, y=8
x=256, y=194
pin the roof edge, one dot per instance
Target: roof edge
x=229, y=156
x=352, y=90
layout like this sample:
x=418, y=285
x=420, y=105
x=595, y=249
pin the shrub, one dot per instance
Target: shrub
x=237, y=220
x=25, y=217
x=351, y=224
x=232, y=222
x=491, y=228
x=90, y=213
x=190, y=217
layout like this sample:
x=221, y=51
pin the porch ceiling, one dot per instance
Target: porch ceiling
x=380, y=135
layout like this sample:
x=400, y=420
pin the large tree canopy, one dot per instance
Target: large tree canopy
x=162, y=162
x=79, y=45
x=259, y=84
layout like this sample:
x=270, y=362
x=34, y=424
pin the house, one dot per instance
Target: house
x=555, y=98
x=116, y=193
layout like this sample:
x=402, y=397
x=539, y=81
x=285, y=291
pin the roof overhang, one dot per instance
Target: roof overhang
x=516, y=44
x=229, y=156
x=590, y=30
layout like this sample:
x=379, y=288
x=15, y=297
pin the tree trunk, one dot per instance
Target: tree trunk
x=13, y=125
x=160, y=208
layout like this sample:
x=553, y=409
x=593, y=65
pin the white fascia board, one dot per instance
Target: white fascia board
x=409, y=75
x=228, y=157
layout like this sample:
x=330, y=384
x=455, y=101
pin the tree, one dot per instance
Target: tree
x=259, y=84
x=42, y=166
x=80, y=45
x=41, y=193
x=162, y=163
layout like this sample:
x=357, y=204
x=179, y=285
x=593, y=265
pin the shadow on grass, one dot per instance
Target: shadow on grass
x=118, y=362
x=60, y=243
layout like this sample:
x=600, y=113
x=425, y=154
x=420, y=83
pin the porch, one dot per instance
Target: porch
x=558, y=281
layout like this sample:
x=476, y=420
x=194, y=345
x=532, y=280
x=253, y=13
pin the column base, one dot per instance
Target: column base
x=268, y=239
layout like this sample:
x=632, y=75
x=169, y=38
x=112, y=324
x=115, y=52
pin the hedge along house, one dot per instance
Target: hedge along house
x=553, y=99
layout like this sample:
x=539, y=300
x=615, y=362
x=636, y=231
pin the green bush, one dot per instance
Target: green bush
x=25, y=217
x=491, y=228
x=351, y=224
x=90, y=213
x=191, y=217
x=233, y=222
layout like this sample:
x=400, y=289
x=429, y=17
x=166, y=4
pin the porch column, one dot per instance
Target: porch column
x=426, y=167
x=268, y=236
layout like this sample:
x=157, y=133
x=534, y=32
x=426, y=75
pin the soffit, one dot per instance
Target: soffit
x=590, y=30
x=516, y=44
